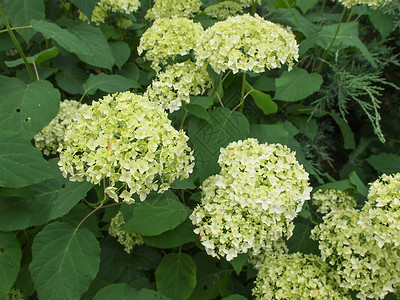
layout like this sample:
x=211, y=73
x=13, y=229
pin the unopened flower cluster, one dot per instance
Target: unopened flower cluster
x=168, y=38
x=332, y=199
x=296, y=276
x=374, y=4
x=245, y=3
x=246, y=43
x=49, y=139
x=129, y=141
x=100, y=12
x=128, y=239
x=15, y=294
x=364, y=246
x=251, y=203
x=223, y=10
x=173, y=8
x=175, y=85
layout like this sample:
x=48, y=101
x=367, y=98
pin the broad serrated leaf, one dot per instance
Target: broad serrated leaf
x=293, y=18
x=77, y=214
x=338, y=185
x=122, y=291
x=198, y=111
x=159, y=213
x=305, y=5
x=176, y=237
x=262, y=100
x=264, y=83
x=208, y=137
x=385, y=163
x=296, y=85
x=346, y=37
x=91, y=37
x=121, y=52
x=64, y=261
x=144, y=258
x=238, y=262
x=27, y=108
x=348, y=135
x=10, y=260
x=52, y=199
x=71, y=80
x=86, y=6
x=108, y=83
x=37, y=58
x=235, y=297
x=357, y=182
x=203, y=101
x=176, y=276
x=384, y=23
x=63, y=37
x=21, y=12
x=21, y=164
x=301, y=241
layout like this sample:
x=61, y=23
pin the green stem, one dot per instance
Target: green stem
x=253, y=7
x=323, y=6
x=351, y=13
x=326, y=52
x=16, y=43
x=16, y=28
x=242, y=91
x=291, y=11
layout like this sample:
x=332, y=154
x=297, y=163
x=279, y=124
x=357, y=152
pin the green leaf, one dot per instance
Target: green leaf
x=144, y=258
x=71, y=80
x=64, y=261
x=235, y=297
x=262, y=100
x=357, y=182
x=91, y=37
x=66, y=39
x=198, y=111
x=28, y=107
x=384, y=23
x=203, y=101
x=122, y=291
x=10, y=260
x=347, y=37
x=238, y=262
x=186, y=184
x=159, y=213
x=265, y=83
x=386, y=163
x=338, y=185
x=207, y=275
x=208, y=137
x=86, y=6
x=121, y=52
x=293, y=18
x=77, y=214
x=108, y=83
x=348, y=135
x=52, y=199
x=296, y=85
x=21, y=12
x=176, y=237
x=176, y=276
x=21, y=164
x=301, y=241
x=37, y=58
x=306, y=5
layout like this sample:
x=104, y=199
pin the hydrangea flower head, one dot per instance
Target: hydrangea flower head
x=175, y=85
x=374, y=4
x=296, y=276
x=244, y=3
x=246, y=43
x=332, y=199
x=385, y=192
x=173, y=8
x=128, y=239
x=223, y=10
x=48, y=140
x=100, y=12
x=251, y=203
x=363, y=247
x=129, y=141
x=167, y=38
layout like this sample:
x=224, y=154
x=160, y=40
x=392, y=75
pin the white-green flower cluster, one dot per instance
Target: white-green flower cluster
x=275, y=248
x=332, y=199
x=175, y=85
x=251, y=203
x=173, y=8
x=128, y=239
x=128, y=140
x=48, y=140
x=244, y=3
x=167, y=38
x=223, y=10
x=385, y=192
x=374, y=4
x=246, y=43
x=100, y=12
x=364, y=248
x=296, y=276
